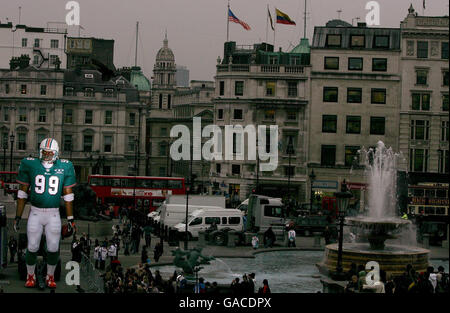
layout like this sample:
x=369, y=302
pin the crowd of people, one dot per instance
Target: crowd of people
x=410, y=281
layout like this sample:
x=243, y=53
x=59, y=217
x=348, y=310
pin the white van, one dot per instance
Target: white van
x=201, y=220
x=197, y=200
x=172, y=214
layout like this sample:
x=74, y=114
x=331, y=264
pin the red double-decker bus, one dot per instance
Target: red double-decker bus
x=146, y=193
x=8, y=182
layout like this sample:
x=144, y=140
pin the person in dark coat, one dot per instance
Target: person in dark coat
x=144, y=255
x=158, y=251
x=12, y=245
x=269, y=238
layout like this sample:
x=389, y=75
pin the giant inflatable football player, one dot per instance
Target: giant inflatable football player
x=46, y=178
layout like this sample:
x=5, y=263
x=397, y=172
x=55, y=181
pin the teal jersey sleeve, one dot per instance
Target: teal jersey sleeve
x=69, y=177
x=24, y=173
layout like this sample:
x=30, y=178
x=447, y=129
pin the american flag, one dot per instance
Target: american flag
x=233, y=18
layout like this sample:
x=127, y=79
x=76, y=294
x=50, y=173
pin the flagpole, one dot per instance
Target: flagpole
x=267, y=23
x=274, y=29
x=228, y=21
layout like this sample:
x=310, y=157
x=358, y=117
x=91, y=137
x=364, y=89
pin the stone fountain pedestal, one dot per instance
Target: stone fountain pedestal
x=392, y=259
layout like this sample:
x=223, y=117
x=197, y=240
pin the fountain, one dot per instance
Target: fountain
x=379, y=224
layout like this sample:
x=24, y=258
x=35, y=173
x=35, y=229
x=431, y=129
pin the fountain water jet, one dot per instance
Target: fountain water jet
x=380, y=223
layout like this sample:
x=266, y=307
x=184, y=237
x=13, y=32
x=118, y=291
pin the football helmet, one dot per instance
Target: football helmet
x=48, y=146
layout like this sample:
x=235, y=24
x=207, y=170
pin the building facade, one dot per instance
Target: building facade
x=182, y=76
x=85, y=52
x=44, y=46
x=258, y=86
x=355, y=102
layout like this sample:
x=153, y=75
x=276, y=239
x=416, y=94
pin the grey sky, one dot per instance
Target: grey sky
x=197, y=28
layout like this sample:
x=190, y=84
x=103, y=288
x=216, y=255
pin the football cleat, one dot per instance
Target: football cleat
x=31, y=281
x=50, y=280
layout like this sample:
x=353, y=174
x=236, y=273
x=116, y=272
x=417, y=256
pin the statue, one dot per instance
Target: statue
x=188, y=260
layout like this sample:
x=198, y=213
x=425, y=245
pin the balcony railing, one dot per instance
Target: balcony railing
x=265, y=68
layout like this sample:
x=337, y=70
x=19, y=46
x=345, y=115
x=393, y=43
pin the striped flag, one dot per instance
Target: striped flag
x=233, y=18
x=270, y=18
x=283, y=18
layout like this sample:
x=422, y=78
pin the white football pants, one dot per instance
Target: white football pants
x=39, y=220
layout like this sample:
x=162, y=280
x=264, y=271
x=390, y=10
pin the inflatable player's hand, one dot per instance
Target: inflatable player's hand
x=16, y=224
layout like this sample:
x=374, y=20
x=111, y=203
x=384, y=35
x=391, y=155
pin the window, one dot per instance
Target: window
x=445, y=102
x=443, y=163
x=295, y=60
x=269, y=115
x=162, y=149
x=292, y=89
x=7, y=88
x=379, y=65
x=328, y=155
x=68, y=116
x=53, y=59
x=22, y=114
x=23, y=89
x=131, y=143
x=270, y=88
x=220, y=114
x=421, y=101
x=210, y=220
x=351, y=155
x=357, y=41
x=221, y=88
x=421, y=77
x=42, y=115
x=330, y=94
x=108, y=117
x=273, y=59
x=169, y=101
x=54, y=43
x=235, y=169
x=353, y=125
x=333, y=40
x=420, y=129
x=377, y=125
x=87, y=143
x=43, y=90
x=5, y=114
x=237, y=114
x=329, y=123
x=67, y=142
x=444, y=131
x=238, y=88
x=39, y=138
x=132, y=119
x=378, y=96
x=291, y=115
x=88, y=92
x=422, y=49
x=355, y=64
x=109, y=92
x=196, y=221
x=160, y=100
x=418, y=160
x=36, y=59
x=107, y=144
x=289, y=170
x=354, y=95
x=381, y=42
x=331, y=63
x=218, y=168
x=445, y=78
x=36, y=43
x=68, y=91
x=88, y=117
x=22, y=142
x=24, y=42
x=444, y=50
x=234, y=220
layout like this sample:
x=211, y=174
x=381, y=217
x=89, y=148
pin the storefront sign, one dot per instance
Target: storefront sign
x=325, y=184
x=428, y=201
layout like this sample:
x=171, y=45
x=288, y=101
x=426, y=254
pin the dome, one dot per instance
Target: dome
x=138, y=79
x=303, y=47
x=165, y=53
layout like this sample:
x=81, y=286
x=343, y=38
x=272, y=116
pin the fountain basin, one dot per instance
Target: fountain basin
x=392, y=259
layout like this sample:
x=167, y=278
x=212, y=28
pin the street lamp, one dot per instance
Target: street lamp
x=290, y=152
x=189, y=187
x=312, y=177
x=11, y=138
x=136, y=142
x=342, y=199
